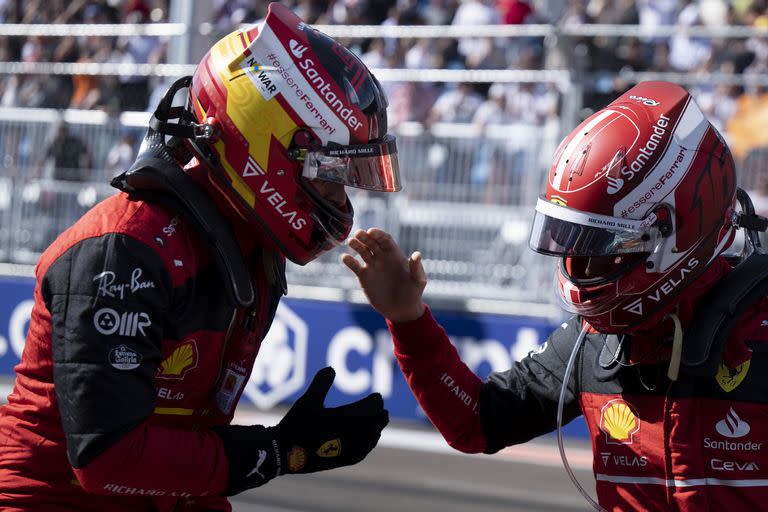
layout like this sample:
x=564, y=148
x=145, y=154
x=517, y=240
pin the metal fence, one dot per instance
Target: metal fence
x=466, y=205
x=469, y=190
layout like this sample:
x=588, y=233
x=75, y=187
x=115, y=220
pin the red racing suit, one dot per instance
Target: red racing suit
x=697, y=443
x=134, y=352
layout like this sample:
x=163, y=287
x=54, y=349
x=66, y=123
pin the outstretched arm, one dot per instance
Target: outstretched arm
x=471, y=415
x=446, y=388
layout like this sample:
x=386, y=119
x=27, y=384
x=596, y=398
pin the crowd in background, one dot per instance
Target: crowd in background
x=111, y=93
x=600, y=62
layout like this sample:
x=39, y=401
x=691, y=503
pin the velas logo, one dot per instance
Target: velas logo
x=732, y=426
x=182, y=359
x=665, y=289
x=297, y=49
x=619, y=422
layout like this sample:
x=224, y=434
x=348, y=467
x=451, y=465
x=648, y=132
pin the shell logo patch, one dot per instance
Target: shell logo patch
x=619, y=422
x=182, y=360
x=730, y=378
x=330, y=448
x=297, y=459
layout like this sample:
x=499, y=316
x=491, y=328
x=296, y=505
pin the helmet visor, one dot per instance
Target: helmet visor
x=561, y=231
x=371, y=166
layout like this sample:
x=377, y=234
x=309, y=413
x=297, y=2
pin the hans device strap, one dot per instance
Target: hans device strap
x=155, y=179
x=723, y=305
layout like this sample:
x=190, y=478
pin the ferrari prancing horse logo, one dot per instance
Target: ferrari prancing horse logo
x=730, y=378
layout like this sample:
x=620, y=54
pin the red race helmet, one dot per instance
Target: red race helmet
x=640, y=199
x=286, y=104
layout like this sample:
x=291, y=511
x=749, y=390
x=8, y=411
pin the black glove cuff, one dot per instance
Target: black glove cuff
x=254, y=454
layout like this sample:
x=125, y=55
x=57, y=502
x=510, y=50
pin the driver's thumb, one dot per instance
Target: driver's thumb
x=320, y=385
x=416, y=268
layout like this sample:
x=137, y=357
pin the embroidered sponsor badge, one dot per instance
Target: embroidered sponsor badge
x=730, y=378
x=182, y=359
x=330, y=448
x=297, y=459
x=124, y=358
x=619, y=422
x=229, y=389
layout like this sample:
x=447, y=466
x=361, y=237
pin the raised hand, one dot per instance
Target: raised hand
x=392, y=283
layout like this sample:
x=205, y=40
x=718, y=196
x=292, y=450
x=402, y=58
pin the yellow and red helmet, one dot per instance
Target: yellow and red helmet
x=289, y=104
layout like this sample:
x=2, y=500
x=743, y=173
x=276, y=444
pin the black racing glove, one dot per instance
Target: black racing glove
x=309, y=438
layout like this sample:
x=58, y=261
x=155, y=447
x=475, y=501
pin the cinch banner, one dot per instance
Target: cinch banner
x=307, y=335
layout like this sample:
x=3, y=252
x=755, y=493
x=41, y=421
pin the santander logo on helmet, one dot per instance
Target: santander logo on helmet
x=323, y=85
x=650, y=155
x=263, y=85
x=297, y=49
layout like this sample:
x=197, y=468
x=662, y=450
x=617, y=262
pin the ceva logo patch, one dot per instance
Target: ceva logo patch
x=281, y=367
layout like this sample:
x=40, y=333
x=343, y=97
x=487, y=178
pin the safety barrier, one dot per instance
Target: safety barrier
x=466, y=204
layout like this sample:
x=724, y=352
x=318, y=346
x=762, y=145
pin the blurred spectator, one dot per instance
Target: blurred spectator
x=514, y=12
x=438, y=12
x=719, y=102
x=531, y=103
x=423, y=54
x=475, y=12
x=601, y=59
x=311, y=10
x=494, y=109
x=654, y=13
x=687, y=53
x=375, y=57
x=456, y=105
x=144, y=49
x=492, y=112
x=575, y=13
x=68, y=155
x=410, y=101
x=660, y=57
x=746, y=127
x=122, y=153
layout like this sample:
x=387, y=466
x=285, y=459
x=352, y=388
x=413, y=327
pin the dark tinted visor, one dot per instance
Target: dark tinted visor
x=371, y=166
x=562, y=231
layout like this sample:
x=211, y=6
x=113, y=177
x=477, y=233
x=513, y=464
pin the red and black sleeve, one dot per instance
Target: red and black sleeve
x=510, y=407
x=109, y=297
x=445, y=387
